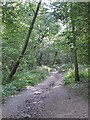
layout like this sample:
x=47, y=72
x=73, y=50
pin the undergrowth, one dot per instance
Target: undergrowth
x=70, y=77
x=24, y=79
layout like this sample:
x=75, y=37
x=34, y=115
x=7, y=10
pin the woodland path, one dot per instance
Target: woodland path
x=49, y=99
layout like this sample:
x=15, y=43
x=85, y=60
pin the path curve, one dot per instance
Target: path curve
x=49, y=99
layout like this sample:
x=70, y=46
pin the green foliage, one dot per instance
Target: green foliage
x=64, y=68
x=83, y=74
x=70, y=78
x=16, y=18
x=79, y=16
x=46, y=39
x=24, y=79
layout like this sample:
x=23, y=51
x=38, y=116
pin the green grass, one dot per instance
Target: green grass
x=24, y=79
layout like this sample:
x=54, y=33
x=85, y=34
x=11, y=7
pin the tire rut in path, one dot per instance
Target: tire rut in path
x=49, y=99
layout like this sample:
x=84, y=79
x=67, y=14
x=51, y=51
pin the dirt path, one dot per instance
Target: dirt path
x=50, y=99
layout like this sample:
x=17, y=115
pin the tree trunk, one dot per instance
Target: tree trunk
x=75, y=53
x=26, y=43
x=72, y=64
x=54, y=58
x=39, y=59
x=76, y=64
x=74, y=43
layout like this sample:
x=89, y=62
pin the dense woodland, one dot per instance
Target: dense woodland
x=39, y=38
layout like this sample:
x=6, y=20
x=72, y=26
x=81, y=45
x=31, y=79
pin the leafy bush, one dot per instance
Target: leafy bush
x=70, y=77
x=83, y=74
x=64, y=68
x=23, y=79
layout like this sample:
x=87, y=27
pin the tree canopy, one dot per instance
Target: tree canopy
x=58, y=40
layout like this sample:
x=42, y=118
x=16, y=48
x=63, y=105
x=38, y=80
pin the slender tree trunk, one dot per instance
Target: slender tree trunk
x=39, y=59
x=76, y=63
x=75, y=53
x=72, y=64
x=74, y=43
x=54, y=58
x=26, y=43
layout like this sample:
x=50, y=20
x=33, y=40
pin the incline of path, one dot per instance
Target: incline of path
x=49, y=99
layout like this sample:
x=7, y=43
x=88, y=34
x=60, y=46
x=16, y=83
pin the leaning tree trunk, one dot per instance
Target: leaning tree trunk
x=26, y=43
